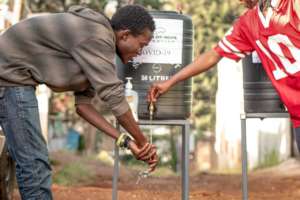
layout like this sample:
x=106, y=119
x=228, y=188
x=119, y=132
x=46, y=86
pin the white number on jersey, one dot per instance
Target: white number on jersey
x=290, y=67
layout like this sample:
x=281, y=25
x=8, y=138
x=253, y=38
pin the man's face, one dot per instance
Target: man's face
x=129, y=45
x=249, y=3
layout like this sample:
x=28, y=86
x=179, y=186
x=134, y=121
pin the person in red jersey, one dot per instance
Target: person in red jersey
x=272, y=29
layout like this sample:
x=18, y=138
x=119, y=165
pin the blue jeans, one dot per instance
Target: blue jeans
x=19, y=119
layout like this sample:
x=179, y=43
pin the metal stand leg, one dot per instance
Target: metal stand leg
x=116, y=174
x=244, y=116
x=185, y=156
x=244, y=159
x=116, y=170
x=185, y=162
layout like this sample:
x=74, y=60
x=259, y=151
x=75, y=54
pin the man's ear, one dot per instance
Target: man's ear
x=123, y=34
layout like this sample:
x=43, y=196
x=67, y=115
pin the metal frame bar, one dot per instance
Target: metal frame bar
x=244, y=116
x=116, y=170
x=185, y=161
x=116, y=174
x=184, y=154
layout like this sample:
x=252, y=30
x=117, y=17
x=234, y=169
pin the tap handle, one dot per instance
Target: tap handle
x=151, y=107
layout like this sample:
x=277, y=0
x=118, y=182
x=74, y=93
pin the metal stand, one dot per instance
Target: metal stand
x=244, y=116
x=116, y=170
x=184, y=155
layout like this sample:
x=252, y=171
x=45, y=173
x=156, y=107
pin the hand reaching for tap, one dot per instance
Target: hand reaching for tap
x=157, y=89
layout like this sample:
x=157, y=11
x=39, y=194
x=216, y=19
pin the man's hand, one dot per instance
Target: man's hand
x=157, y=89
x=147, y=154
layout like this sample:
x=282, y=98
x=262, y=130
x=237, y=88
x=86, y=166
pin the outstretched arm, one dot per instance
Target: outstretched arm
x=202, y=63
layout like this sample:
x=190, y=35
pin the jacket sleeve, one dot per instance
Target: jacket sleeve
x=96, y=58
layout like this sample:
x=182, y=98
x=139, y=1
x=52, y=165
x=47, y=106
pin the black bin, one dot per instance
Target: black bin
x=259, y=93
x=170, y=50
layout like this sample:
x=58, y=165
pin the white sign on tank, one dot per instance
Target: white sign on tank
x=166, y=45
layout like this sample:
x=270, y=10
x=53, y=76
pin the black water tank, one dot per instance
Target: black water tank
x=259, y=93
x=169, y=51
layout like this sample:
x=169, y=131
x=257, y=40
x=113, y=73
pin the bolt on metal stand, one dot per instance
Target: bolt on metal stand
x=244, y=116
x=184, y=155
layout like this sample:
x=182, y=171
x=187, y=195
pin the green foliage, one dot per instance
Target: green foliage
x=82, y=144
x=63, y=5
x=154, y=4
x=174, y=158
x=73, y=173
x=211, y=19
x=270, y=159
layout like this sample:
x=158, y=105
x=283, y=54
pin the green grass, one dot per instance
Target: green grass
x=73, y=174
x=270, y=159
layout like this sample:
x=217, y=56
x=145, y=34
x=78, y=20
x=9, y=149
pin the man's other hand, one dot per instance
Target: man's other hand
x=147, y=153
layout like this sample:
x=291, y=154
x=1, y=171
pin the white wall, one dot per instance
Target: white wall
x=263, y=136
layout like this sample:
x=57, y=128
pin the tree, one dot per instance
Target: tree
x=63, y=5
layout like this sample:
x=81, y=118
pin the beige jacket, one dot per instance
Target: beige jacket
x=73, y=51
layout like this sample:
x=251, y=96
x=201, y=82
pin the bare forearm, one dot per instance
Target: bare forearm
x=202, y=63
x=90, y=114
x=128, y=122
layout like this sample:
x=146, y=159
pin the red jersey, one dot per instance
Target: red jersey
x=277, y=42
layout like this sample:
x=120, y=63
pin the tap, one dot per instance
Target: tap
x=151, y=109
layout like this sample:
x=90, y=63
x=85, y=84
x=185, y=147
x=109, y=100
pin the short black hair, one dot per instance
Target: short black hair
x=134, y=18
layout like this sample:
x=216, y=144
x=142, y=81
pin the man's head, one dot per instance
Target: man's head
x=134, y=28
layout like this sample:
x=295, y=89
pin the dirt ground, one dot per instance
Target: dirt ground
x=278, y=183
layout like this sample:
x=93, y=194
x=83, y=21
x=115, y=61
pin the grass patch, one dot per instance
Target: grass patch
x=270, y=159
x=73, y=174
